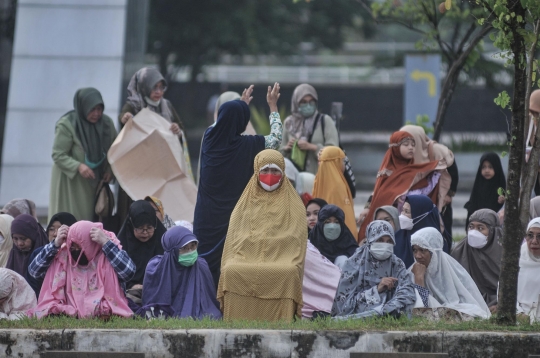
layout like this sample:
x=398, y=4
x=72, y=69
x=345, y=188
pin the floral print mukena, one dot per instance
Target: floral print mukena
x=357, y=295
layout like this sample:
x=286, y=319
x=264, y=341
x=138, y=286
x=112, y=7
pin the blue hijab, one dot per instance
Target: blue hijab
x=173, y=290
x=424, y=214
x=226, y=167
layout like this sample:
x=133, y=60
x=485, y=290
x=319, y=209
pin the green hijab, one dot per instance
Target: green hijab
x=95, y=137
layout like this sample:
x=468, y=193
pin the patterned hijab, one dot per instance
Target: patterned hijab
x=139, y=89
x=267, y=231
x=16, y=295
x=362, y=272
x=296, y=124
x=16, y=207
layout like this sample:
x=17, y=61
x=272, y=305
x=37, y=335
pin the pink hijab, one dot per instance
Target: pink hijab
x=83, y=292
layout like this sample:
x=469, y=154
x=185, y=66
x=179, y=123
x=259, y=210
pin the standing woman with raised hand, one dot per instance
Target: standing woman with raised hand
x=307, y=131
x=82, y=139
x=226, y=167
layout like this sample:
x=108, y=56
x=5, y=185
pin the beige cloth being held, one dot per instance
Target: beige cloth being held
x=265, y=247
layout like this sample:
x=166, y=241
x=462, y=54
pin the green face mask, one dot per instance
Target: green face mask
x=188, y=259
x=307, y=109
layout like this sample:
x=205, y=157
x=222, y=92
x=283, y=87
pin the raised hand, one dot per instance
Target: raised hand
x=246, y=95
x=272, y=97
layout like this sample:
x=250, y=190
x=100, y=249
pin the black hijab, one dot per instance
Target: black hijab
x=63, y=218
x=141, y=213
x=484, y=194
x=345, y=244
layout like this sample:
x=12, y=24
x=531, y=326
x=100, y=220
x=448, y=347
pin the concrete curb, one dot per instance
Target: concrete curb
x=264, y=343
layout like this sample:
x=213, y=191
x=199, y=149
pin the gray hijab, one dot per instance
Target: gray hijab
x=535, y=208
x=393, y=212
x=357, y=294
x=139, y=89
x=296, y=124
x=484, y=264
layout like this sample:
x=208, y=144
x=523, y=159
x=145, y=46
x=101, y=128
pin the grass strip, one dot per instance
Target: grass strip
x=372, y=324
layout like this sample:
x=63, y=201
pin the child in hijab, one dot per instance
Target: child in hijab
x=331, y=185
x=55, y=223
x=332, y=237
x=6, y=243
x=140, y=236
x=374, y=281
x=16, y=297
x=83, y=268
x=178, y=283
x=417, y=213
x=265, y=249
x=480, y=253
x=27, y=235
x=528, y=292
x=400, y=175
x=312, y=211
x=440, y=281
x=485, y=193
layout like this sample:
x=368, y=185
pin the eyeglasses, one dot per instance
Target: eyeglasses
x=531, y=237
x=159, y=88
x=139, y=230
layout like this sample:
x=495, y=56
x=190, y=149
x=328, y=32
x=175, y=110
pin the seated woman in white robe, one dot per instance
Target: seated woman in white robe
x=529, y=273
x=440, y=281
x=321, y=280
x=16, y=295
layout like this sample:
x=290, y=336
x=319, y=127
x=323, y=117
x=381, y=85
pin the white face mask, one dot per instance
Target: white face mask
x=381, y=250
x=405, y=222
x=476, y=239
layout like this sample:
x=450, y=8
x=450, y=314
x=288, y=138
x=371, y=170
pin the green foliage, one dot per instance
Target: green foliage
x=259, y=119
x=502, y=100
x=422, y=121
x=369, y=324
x=197, y=32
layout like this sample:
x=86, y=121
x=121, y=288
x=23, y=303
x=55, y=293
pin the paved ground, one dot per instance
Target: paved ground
x=460, y=213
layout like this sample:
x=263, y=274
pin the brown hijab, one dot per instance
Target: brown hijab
x=484, y=265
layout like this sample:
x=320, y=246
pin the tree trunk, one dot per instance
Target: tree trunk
x=451, y=80
x=513, y=230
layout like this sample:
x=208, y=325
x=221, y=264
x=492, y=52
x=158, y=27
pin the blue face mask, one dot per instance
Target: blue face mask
x=307, y=109
x=331, y=231
x=188, y=259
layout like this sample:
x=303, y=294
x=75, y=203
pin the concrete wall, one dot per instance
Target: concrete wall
x=59, y=47
x=243, y=343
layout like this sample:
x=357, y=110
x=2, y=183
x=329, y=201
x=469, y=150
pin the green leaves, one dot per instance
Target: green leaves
x=502, y=99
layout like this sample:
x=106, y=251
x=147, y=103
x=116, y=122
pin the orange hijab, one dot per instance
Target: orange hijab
x=331, y=185
x=396, y=177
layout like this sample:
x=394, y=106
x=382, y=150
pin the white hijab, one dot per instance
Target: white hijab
x=529, y=275
x=448, y=282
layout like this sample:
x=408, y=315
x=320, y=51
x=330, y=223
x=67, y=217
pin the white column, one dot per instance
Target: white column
x=59, y=47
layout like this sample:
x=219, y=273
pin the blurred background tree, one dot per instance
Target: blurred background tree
x=196, y=32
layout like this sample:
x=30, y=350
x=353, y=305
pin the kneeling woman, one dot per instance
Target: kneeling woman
x=263, y=258
x=374, y=281
x=440, y=280
x=179, y=283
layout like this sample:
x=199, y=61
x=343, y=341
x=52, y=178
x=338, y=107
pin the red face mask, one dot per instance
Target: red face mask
x=270, y=182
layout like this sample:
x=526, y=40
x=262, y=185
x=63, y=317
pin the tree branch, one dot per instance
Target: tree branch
x=466, y=37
